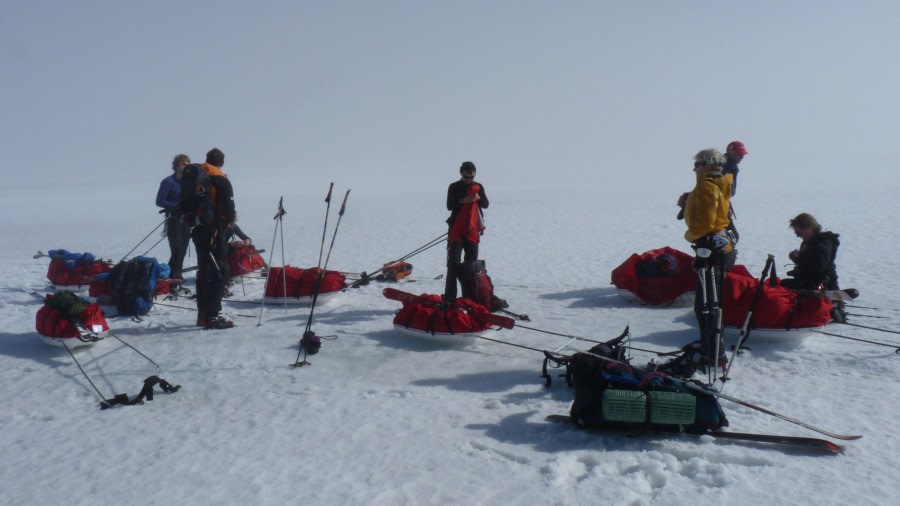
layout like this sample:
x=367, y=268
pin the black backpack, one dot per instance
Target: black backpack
x=196, y=202
x=477, y=285
x=134, y=285
x=610, y=393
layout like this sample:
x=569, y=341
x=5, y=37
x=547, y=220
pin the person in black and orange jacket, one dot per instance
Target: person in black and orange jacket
x=211, y=243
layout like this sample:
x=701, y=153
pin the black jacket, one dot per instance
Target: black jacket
x=224, y=200
x=815, y=261
x=457, y=191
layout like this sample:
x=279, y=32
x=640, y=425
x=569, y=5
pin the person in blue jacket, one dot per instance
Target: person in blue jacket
x=177, y=231
x=734, y=153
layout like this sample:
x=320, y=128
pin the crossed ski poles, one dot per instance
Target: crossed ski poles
x=310, y=342
x=279, y=227
x=768, y=271
x=366, y=276
x=144, y=239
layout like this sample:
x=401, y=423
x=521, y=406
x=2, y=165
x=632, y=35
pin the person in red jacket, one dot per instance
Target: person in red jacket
x=465, y=201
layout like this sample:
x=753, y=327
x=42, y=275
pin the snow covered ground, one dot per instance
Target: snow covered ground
x=380, y=418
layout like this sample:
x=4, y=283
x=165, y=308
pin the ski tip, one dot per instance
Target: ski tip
x=833, y=448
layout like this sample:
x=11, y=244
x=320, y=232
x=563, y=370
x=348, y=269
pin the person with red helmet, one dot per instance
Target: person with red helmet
x=734, y=153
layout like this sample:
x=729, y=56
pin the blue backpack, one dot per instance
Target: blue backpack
x=134, y=285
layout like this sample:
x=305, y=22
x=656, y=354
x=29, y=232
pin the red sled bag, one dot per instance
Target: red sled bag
x=243, y=259
x=300, y=282
x=74, y=269
x=428, y=315
x=51, y=323
x=657, y=277
x=65, y=315
x=777, y=307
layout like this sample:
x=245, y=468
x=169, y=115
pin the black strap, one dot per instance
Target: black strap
x=146, y=393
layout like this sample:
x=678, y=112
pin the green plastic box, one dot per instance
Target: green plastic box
x=624, y=406
x=672, y=408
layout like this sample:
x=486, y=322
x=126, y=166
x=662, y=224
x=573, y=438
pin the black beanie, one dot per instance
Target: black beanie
x=467, y=167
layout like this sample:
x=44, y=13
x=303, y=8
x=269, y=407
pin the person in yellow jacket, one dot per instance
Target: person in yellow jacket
x=708, y=204
x=706, y=214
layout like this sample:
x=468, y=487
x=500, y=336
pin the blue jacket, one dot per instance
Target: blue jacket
x=169, y=195
x=731, y=167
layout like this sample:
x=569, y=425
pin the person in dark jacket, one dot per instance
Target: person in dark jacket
x=211, y=243
x=465, y=201
x=814, y=260
x=177, y=231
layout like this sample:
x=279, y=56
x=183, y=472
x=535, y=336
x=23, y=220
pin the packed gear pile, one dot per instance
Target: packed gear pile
x=74, y=269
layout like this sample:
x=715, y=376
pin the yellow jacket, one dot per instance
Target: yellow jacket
x=708, y=205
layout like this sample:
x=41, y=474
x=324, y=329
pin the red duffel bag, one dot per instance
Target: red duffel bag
x=777, y=307
x=300, y=282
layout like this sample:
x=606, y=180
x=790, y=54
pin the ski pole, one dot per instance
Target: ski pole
x=845, y=305
x=430, y=244
x=154, y=245
x=867, y=315
x=872, y=328
x=144, y=239
x=745, y=328
x=278, y=224
x=718, y=330
x=658, y=353
x=307, y=334
x=896, y=347
x=324, y=228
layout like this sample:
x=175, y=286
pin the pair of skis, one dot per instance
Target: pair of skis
x=309, y=341
x=800, y=441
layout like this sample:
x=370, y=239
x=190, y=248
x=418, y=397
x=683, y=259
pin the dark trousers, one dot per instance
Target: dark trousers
x=211, y=244
x=704, y=310
x=454, y=251
x=179, y=236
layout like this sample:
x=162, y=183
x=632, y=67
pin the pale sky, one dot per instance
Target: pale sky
x=401, y=92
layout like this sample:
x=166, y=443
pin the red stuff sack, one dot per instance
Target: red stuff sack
x=243, y=259
x=657, y=277
x=300, y=282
